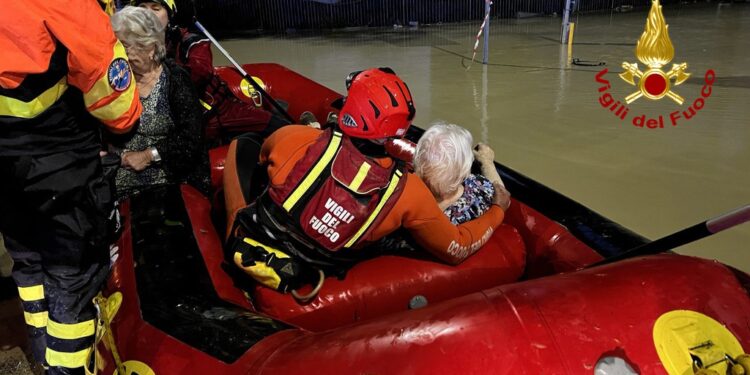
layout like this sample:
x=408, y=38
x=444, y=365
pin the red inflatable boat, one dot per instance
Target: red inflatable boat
x=524, y=304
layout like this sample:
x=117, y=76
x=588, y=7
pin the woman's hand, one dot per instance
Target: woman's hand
x=484, y=154
x=136, y=160
x=486, y=158
x=501, y=197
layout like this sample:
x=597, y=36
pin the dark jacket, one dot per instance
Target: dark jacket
x=183, y=153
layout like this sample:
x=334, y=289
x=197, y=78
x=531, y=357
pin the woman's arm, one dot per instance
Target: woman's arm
x=434, y=232
x=486, y=158
x=182, y=148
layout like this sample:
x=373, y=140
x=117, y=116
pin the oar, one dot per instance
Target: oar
x=247, y=77
x=685, y=236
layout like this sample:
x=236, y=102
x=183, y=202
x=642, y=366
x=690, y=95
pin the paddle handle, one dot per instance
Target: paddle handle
x=729, y=219
x=685, y=236
x=242, y=71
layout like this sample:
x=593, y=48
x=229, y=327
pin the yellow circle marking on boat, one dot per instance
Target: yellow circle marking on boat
x=245, y=87
x=248, y=89
x=680, y=333
x=136, y=367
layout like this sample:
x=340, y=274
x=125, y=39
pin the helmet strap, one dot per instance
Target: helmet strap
x=369, y=148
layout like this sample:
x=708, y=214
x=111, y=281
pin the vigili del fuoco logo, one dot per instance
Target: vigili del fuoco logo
x=655, y=50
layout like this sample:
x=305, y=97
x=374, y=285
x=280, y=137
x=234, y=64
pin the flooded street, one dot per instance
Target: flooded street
x=543, y=118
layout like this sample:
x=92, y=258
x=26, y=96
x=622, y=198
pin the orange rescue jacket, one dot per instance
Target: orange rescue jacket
x=61, y=64
x=416, y=209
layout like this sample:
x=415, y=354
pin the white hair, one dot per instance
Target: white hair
x=141, y=28
x=443, y=158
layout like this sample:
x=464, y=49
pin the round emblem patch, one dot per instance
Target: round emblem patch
x=118, y=74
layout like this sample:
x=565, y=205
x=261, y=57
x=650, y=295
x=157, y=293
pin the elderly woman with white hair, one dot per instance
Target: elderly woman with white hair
x=443, y=160
x=167, y=145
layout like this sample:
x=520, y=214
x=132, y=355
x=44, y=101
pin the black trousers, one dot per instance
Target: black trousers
x=53, y=214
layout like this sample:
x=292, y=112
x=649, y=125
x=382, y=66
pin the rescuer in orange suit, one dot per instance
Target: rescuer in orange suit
x=62, y=75
x=331, y=192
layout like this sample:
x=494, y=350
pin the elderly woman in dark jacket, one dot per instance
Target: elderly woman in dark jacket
x=167, y=145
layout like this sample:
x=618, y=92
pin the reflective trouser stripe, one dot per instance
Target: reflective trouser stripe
x=388, y=192
x=70, y=331
x=69, y=360
x=34, y=305
x=315, y=172
x=68, y=345
x=36, y=320
x=31, y=293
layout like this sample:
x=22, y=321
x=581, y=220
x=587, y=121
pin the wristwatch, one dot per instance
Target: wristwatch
x=155, y=157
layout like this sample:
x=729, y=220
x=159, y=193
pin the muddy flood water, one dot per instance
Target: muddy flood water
x=543, y=117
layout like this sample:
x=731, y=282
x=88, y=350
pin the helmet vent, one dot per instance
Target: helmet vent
x=375, y=108
x=364, y=123
x=394, y=102
x=387, y=70
x=409, y=103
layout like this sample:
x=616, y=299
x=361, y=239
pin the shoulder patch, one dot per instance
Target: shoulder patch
x=119, y=75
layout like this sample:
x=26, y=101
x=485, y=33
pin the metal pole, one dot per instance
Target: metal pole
x=486, y=52
x=244, y=74
x=565, y=22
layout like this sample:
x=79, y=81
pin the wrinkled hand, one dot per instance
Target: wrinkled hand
x=483, y=153
x=501, y=197
x=136, y=160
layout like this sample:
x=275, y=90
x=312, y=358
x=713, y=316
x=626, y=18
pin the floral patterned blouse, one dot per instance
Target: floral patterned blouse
x=476, y=200
x=156, y=124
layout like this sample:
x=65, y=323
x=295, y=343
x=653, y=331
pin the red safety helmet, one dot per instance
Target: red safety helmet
x=379, y=105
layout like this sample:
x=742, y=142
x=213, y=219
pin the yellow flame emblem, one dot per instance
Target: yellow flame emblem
x=654, y=49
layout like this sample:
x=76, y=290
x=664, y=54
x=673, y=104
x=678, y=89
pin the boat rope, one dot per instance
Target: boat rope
x=106, y=309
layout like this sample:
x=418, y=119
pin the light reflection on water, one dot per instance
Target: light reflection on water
x=543, y=117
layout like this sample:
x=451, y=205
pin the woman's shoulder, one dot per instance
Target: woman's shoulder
x=175, y=72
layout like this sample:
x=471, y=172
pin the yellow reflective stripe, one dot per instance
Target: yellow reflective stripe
x=38, y=320
x=205, y=105
x=102, y=89
x=116, y=108
x=388, y=192
x=361, y=174
x=70, y=331
x=69, y=360
x=18, y=108
x=314, y=173
x=103, y=102
x=31, y=293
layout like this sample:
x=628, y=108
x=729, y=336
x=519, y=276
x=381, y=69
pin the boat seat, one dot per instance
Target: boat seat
x=388, y=284
x=551, y=249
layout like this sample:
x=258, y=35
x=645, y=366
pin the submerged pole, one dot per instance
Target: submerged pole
x=486, y=54
x=565, y=21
